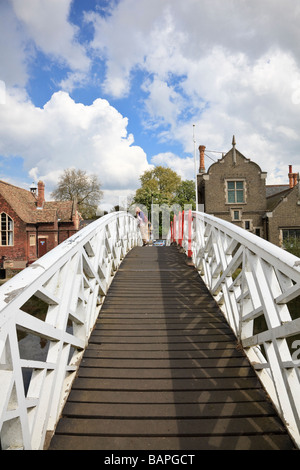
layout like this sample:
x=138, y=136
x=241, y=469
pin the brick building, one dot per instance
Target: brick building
x=31, y=226
x=283, y=211
x=234, y=189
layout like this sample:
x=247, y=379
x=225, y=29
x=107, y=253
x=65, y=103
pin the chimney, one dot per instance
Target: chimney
x=293, y=177
x=202, y=164
x=41, y=195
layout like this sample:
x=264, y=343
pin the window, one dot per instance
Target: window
x=236, y=215
x=7, y=233
x=247, y=224
x=290, y=234
x=235, y=192
x=32, y=240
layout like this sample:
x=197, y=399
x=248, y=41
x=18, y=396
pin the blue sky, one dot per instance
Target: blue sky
x=114, y=87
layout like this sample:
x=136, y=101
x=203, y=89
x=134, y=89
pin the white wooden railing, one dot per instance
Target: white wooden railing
x=250, y=278
x=254, y=282
x=70, y=282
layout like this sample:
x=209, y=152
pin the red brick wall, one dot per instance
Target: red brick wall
x=18, y=250
x=21, y=252
x=51, y=235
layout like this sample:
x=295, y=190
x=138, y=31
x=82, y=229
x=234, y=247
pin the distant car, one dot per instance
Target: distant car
x=159, y=242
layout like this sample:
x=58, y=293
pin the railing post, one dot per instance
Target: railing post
x=179, y=229
x=174, y=228
x=190, y=219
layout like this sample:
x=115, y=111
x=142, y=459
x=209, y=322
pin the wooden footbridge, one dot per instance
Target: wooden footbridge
x=163, y=369
x=145, y=348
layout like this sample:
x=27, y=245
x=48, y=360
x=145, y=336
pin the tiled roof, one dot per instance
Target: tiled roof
x=276, y=194
x=23, y=202
x=64, y=209
x=273, y=189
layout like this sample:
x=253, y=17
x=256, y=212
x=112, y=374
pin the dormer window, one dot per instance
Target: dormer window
x=6, y=230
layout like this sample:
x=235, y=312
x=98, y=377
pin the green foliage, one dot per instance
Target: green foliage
x=185, y=194
x=292, y=245
x=164, y=186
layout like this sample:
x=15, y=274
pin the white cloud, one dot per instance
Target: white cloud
x=2, y=92
x=121, y=39
x=65, y=134
x=163, y=104
x=26, y=27
x=184, y=167
x=13, y=51
x=48, y=26
x=33, y=173
x=74, y=80
x=230, y=67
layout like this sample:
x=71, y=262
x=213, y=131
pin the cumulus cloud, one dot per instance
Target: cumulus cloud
x=121, y=38
x=184, y=167
x=40, y=25
x=64, y=134
x=230, y=67
x=48, y=26
x=163, y=104
x=2, y=92
x=13, y=50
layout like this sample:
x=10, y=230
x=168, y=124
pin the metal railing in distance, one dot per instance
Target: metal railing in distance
x=257, y=286
x=66, y=287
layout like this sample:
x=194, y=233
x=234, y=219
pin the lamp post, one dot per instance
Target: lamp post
x=195, y=167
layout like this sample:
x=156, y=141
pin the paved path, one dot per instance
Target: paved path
x=163, y=371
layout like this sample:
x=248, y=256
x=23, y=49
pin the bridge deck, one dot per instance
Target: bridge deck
x=163, y=371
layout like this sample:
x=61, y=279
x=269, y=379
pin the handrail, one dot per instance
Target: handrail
x=254, y=283
x=71, y=282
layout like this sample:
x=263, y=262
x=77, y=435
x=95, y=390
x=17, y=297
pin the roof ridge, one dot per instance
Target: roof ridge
x=277, y=185
x=14, y=186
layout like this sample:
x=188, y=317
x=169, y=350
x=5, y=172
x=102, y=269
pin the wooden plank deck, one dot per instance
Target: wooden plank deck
x=163, y=371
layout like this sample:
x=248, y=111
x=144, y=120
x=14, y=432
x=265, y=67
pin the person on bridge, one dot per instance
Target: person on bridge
x=143, y=224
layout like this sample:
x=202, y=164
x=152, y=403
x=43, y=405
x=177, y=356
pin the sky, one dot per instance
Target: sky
x=115, y=87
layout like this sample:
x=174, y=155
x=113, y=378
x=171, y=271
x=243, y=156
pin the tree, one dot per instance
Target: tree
x=158, y=186
x=292, y=245
x=186, y=194
x=77, y=185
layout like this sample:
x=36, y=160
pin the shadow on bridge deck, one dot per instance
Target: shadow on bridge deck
x=163, y=371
